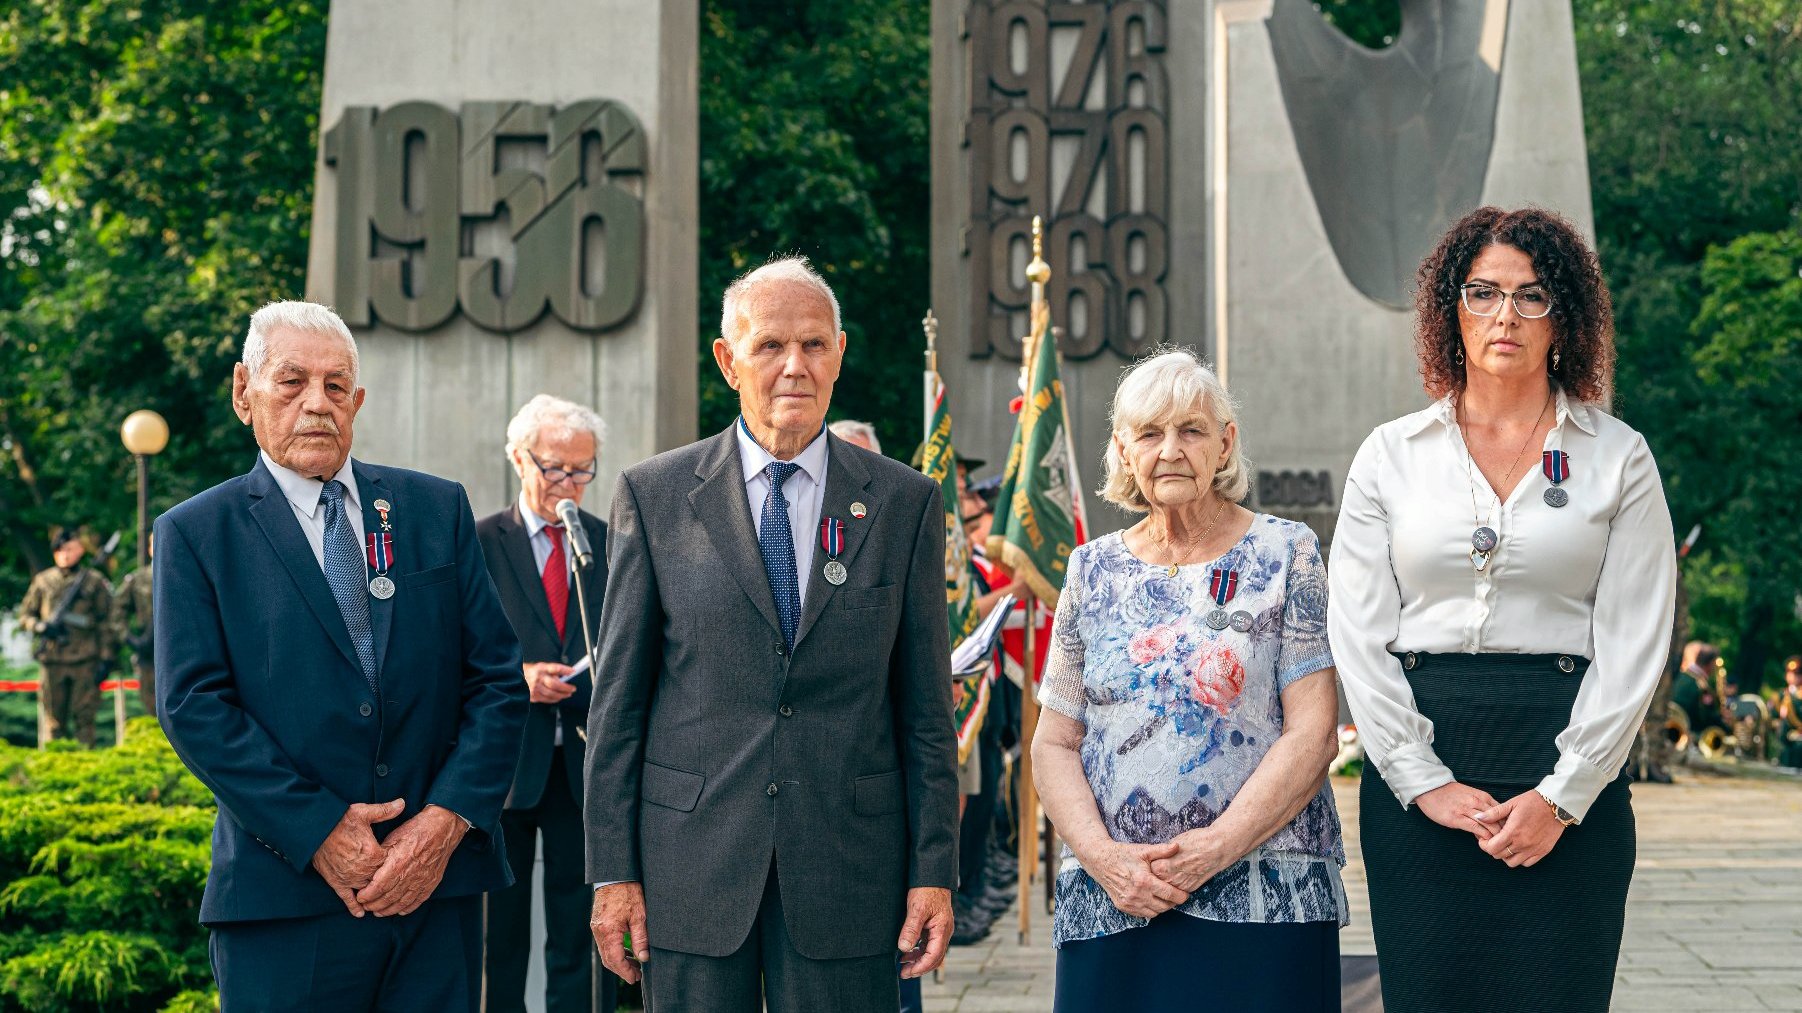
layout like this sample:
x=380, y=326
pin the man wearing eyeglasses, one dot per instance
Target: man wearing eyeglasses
x=553, y=445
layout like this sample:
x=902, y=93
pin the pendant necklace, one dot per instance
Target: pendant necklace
x=1483, y=539
x=1170, y=554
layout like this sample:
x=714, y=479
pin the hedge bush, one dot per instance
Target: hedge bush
x=103, y=856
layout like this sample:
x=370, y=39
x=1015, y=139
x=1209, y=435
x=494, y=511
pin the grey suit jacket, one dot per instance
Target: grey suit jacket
x=712, y=748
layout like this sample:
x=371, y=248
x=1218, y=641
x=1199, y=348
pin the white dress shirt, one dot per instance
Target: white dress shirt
x=804, y=491
x=1596, y=578
x=303, y=495
x=541, y=542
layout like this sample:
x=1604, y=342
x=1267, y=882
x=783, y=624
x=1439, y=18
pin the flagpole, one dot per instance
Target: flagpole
x=1038, y=273
x=930, y=324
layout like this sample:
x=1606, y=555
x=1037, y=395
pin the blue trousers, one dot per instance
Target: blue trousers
x=1182, y=963
x=430, y=960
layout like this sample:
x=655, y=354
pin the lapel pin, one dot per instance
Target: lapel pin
x=858, y=510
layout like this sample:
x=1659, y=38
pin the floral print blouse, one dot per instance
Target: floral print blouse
x=1177, y=715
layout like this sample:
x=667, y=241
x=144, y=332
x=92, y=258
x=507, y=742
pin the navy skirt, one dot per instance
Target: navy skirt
x=1182, y=963
x=1458, y=930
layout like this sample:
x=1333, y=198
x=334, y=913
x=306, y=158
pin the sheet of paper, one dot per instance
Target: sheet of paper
x=973, y=652
x=577, y=669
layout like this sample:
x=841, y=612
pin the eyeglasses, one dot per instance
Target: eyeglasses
x=1486, y=300
x=579, y=476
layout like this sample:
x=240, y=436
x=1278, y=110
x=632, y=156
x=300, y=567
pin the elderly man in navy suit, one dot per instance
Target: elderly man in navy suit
x=333, y=662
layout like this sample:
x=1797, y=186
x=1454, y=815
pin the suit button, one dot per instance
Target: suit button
x=771, y=790
x=364, y=709
x=780, y=649
x=786, y=711
x=1410, y=660
x=381, y=770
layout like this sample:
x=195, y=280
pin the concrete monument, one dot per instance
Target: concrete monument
x=505, y=206
x=1235, y=175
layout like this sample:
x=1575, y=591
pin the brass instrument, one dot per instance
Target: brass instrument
x=1676, y=728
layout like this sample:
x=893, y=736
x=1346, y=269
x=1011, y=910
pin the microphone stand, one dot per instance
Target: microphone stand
x=575, y=579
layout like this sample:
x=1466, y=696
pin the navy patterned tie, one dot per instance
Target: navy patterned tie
x=345, y=573
x=776, y=543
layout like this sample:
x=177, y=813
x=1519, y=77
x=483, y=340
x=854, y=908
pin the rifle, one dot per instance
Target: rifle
x=60, y=621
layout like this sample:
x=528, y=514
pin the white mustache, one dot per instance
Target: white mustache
x=311, y=423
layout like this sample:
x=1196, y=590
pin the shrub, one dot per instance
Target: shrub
x=103, y=857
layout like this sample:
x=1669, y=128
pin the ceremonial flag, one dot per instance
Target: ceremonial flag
x=938, y=462
x=1038, y=512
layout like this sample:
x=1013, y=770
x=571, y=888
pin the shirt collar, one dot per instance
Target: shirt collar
x=534, y=523
x=304, y=492
x=1445, y=412
x=754, y=458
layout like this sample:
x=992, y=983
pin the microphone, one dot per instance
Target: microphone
x=575, y=533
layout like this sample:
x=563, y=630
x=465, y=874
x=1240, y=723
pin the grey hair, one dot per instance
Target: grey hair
x=557, y=415
x=792, y=268
x=1169, y=385
x=308, y=317
x=844, y=429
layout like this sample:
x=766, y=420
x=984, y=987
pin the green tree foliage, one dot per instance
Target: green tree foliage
x=1372, y=23
x=1692, y=114
x=814, y=120
x=1749, y=355
x=156, y=187
x=103, y=856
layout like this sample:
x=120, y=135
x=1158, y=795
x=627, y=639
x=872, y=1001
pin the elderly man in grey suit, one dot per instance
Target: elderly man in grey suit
x=771, y=785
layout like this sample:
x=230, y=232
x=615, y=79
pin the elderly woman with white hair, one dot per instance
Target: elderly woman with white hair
x=1189, y=719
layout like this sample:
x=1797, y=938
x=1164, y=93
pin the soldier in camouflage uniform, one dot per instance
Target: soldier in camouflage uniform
x=75, y=642
x=131, y=605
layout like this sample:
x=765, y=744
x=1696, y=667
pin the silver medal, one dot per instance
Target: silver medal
x=1241, y=621
x=1218, y=619
x=1556, y=497
x=382, y=588
x=835, y=572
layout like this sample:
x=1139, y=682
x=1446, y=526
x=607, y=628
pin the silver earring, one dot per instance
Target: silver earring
x=1458, y=356
x=1555, y=357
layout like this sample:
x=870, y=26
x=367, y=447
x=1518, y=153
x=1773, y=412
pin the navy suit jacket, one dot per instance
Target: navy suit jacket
x=507, y=546
x=260, y=692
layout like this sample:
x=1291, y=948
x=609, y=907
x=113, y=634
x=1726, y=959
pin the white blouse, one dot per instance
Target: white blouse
x=1596, y=578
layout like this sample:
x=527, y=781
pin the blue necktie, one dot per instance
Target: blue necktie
x=776, y=543
x=345, y=573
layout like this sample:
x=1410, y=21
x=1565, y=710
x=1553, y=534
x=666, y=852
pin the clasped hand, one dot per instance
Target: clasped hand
x=391, y=877
x=1146, y=880
x=1518, y=832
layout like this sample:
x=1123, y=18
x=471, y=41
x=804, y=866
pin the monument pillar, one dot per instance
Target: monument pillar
x=1235, y=176
x=506, y=205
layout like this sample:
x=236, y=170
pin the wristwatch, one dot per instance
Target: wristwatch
x=1558, y=813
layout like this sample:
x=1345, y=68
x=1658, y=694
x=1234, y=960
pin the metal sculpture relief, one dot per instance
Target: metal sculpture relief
x=1084, y=144
x=1395, y=142
x=503, y=209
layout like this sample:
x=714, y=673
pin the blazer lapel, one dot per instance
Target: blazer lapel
x=846, y=481
x=270, y=509
x=516, y=545
x=720, y=505
x=370, y=488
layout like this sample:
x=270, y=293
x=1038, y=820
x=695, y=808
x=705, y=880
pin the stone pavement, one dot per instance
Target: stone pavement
x=1714, y=918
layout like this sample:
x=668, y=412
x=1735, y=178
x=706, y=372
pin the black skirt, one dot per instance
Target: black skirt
x=1180, y=964
x=1458, y=930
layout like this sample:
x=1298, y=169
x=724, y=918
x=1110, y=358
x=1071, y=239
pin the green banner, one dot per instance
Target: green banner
x=939, y=463
x=1036, y=522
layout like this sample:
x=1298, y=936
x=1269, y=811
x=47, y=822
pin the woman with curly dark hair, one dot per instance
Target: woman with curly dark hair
x=1499, y=630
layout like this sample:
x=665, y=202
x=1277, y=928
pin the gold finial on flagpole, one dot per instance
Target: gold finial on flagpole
x=930, y=324
x=1038, y=272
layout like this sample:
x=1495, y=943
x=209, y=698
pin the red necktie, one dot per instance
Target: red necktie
x=556, y=579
